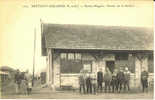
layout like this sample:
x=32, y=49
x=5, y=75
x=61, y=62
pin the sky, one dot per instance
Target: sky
x=18, y=20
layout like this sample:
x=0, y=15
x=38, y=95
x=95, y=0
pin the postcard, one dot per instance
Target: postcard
x=76, y=49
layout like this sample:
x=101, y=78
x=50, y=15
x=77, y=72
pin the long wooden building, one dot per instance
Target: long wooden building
x=70, y=47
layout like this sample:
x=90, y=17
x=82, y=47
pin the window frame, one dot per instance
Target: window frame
x=72, y=60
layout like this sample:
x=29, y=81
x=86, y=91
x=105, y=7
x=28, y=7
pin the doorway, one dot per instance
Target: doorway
x=110, y=65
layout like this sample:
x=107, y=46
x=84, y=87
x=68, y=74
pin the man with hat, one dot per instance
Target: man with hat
x=94, y=83
x=120, y=79
x=89, y=83
x=100, y=79
x=114, y=81
x=144, y=79
x=126, y=79
x=107, y=79
x=82, y=82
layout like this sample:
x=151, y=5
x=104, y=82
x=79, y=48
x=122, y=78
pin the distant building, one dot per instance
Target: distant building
x=4, y=76
x=69, y=48
x=6, y=69
x=7, y=72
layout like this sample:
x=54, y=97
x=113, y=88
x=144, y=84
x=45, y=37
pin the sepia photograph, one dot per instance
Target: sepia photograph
x=74, y=49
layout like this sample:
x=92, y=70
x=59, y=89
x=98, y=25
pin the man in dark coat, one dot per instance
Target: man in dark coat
x=120, y=79
x=144, y=80
x=88, y=83
x=18, y=80
x=94, y=83
x=114, y=80
x=100, y=79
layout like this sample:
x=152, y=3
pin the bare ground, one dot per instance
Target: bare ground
x=46, y=93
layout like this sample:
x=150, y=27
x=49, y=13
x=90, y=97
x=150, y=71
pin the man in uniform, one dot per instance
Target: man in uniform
x=88, y=83
x=120, y=78
x=144, y=79
x=100, y=79
x=18, y=80
x=29, y=82
x=126, y=79
x=107, y=79
x=82, y=81
x=94, y=83
x=114, y=80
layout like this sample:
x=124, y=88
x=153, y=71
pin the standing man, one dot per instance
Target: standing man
x=144, y=79
x=82, y=81
x=29, y=82
x=94, y=83
x=18, y=80
x=107, y=79
x=88, y=83
x=126, y=79
x=100, y=79
x=114, y=80
x=120, y=79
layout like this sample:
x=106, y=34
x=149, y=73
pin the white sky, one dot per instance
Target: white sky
x=18, y=23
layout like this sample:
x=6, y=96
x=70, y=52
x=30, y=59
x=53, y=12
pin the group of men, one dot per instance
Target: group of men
x=116, y=81
x=23, y=82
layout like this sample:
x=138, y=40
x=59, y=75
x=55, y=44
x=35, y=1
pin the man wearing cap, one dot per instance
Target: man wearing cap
x=114, y=81
x=120, y=79
x=18, y=80
x=107, y=79
x=29, y=82
x=100, y=79
x=82, y=81
x=126, y=79
x=144, y=79
x=94, y=83
x=89, y=83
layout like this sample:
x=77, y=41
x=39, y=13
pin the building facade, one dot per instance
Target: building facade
x=69, y=48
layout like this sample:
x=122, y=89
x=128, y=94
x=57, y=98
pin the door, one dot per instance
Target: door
x=110, y=65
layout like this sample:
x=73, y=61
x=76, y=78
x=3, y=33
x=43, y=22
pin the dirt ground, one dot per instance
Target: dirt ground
x=46, y=93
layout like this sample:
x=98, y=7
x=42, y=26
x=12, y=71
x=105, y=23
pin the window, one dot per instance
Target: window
x=72, y=64
x=77, y=56
x=121, y=56
x=70, y=56
x=110, y=65
x=125, y=60
x=150, y=63
x=131, y=63
x=63, y=56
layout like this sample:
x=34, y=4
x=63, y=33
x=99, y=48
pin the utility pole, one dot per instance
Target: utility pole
x=34, y=56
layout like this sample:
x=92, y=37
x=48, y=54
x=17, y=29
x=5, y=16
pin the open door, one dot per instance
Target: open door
x=110, y=65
